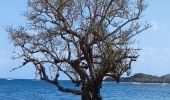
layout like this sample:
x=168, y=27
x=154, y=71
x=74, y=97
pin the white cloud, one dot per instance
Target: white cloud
x=154, y=25
x=158, y=26
x=164, y=26
x=153, y=61
x=155, y=55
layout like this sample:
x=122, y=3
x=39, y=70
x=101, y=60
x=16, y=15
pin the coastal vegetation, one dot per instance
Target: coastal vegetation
x=144, y=78
x=86, y=40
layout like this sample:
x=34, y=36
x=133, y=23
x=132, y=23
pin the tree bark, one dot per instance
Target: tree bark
x=96, y=93
x=92, y=94
x=86, y=96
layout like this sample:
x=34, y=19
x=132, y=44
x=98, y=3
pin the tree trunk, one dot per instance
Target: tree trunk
x=92, y=94
x=96, y=93
x=86, y=96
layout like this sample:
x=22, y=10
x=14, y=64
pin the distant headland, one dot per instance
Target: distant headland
x=144, y=78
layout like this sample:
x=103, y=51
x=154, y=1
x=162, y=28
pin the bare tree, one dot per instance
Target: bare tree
x=84, y=39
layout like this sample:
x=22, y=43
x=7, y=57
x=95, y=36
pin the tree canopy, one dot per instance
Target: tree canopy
x=84, y=39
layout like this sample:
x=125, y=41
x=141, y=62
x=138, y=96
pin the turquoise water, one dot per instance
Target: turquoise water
x=39, y=90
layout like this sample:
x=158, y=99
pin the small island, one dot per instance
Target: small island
x=144, y=78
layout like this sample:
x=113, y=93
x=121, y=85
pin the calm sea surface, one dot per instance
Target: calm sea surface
x=19, y=89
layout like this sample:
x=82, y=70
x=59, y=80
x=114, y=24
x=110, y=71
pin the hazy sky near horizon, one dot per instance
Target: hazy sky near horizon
x=155, y=43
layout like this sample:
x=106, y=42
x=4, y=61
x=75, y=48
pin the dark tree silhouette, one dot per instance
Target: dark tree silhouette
x=84, y=39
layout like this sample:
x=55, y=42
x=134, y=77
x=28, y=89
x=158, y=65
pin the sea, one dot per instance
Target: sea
x=32, y=89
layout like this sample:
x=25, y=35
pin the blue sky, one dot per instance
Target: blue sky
x=155, y=42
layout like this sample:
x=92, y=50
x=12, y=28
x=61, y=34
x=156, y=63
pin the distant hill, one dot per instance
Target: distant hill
x=144, y=78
